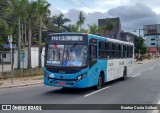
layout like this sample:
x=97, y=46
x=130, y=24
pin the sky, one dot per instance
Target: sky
x=132, y=13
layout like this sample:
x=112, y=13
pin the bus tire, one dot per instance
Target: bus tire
x=124, y=74
x=100, y=82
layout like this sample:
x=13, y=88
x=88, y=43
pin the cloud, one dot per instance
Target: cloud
x=132, y=17
x=135, y=16
x=136, y=11
x=90, y=18
x=150, y=3
x=111, y=2
x=55, y=11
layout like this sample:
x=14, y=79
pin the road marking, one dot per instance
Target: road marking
x=157, y=111
x=96, y=91
x=151, y=68
x=136, y=75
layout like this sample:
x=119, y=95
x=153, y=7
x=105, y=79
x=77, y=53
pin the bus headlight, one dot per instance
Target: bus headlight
x=51, y=75
x=81, y=77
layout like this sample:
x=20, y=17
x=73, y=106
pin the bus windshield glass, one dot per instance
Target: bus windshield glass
x=67, y=55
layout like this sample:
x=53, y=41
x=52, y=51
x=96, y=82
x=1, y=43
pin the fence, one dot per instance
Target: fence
x=5, y=61
x=19, y=67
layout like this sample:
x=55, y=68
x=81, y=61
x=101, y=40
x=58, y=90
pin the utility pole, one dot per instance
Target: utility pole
x=157, y=38
x=139, y=46
x=10, y=40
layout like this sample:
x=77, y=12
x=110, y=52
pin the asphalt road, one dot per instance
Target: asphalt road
x=141, y=87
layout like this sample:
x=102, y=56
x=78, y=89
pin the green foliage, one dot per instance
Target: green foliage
x=81, y=20
x=3, y=32
x=73, y=28
x=18, y=8
x=84, y=31
x=141, y=46
x=94, y=29
x=60, y=21
x=108, y=26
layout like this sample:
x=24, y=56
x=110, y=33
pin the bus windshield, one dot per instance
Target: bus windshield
x=67, y=55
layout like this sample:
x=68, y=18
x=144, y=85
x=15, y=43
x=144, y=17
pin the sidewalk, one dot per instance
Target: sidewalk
x=20, y=82
x=144, y=61
x=34, y=80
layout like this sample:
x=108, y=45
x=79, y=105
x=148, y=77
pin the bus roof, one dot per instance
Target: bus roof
x=96, y=37
x=67, y=33
x=110, y=39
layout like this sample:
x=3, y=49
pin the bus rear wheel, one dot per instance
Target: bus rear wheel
x=100, y=82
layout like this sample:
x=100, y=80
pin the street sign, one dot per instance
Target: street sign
x=10, y=40
x=8, y=46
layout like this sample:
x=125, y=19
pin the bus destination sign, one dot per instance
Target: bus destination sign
x=66, y=38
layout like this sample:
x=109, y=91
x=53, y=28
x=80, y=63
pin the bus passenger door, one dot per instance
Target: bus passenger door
x=93, y=64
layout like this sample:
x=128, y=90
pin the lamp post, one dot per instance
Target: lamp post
x=157, y=39
x=10, y=40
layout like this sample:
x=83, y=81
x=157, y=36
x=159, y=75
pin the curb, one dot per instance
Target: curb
x=21, y=85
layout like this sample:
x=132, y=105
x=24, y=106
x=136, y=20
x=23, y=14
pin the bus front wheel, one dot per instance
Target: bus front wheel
x=100, y=82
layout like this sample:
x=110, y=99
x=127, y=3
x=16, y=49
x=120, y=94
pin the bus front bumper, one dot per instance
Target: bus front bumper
x=68, y=84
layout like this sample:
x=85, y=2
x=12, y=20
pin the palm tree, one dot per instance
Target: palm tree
x=4, y=31
x=60, y=21
x=94, y=29
x=108, y=27
x=19, y=10
x=4, y=25
x=42, y=12
x=80, y=22
x=73, y=28
x=31, y=15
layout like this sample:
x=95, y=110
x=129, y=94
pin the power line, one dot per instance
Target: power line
x=87, y=7
x=81, y=6
x=77, y=5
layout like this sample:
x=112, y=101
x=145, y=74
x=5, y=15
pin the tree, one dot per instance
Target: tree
x=107, y=27
x=19, y=10
x=72, y=28
x=42, y=12
x=4, y=27
x=31, y=16
x=80, y=22
x=94, y=29
x=60, y=21
x=4, y=31
x=140, y=46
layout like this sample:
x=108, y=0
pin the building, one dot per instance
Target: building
x=5, y=57
x=152, y=38
x=115, y=32
x=129, y=37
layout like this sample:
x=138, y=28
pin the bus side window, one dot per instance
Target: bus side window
x=93, y=52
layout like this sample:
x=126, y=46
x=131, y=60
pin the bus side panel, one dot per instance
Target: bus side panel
x=102, y=65
x=119, y=67
x=116, y=67
x=130, y=65
x=110, y=70
x=95, y=70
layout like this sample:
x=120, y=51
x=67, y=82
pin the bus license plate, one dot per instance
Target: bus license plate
x=61, y=83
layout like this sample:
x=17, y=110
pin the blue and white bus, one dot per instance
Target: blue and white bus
x=78, y=60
